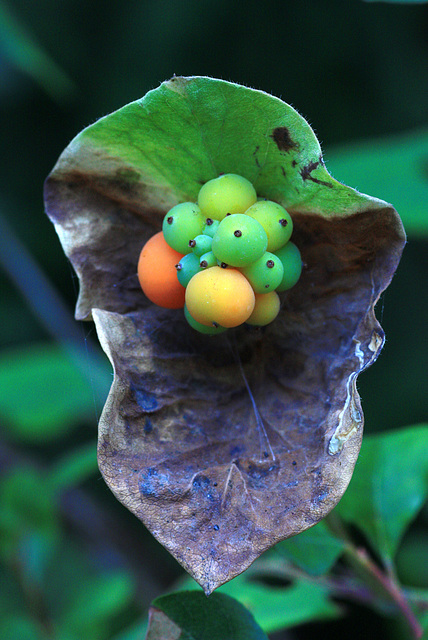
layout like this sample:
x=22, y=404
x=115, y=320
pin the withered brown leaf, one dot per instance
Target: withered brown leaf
x=224, y=445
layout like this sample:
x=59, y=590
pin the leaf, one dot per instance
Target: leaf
x=389, y=486
x=27, y=54
x=29, y=527
x=136, y=631
x=400, y=1
x=276, y=608
x=395, y=168
x=83, y=597
x=190, y=615
x=411, y=560
x=42, y=394
x=99, y=599
x=180, y=443
x=314, y=550
x=74, y=467
x=20, y=626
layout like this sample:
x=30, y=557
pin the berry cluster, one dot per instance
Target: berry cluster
x=223, y=259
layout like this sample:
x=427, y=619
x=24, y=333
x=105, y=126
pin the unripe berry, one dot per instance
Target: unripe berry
x=229, y=193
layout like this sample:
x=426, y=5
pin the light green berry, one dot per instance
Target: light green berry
x=229, y=193
x=182, y=223
x=275, y=220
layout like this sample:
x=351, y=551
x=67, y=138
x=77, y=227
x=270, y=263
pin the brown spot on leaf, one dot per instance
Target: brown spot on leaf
x=282, y=138
x=306, y=173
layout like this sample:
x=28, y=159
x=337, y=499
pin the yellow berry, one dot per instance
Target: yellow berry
x=266, y=308
x=229, y=193
x=220, y=296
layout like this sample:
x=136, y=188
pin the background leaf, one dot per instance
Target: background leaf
x=314, y=550
x=280, y=606
x=394, y=168
x=357, y=76
x=29, y=56
x=29, y=523
x=400, y=1
x=389, y=486
x=74, y=467
x=196, y=617
x=42, y=394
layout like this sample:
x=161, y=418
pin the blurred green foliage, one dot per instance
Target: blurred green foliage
x=73, y=563
x=392, y=475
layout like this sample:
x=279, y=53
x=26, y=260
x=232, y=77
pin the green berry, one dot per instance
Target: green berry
x=201, y=244
x=182, y=223
x=264, y=274
x=202, y=328
x=275, y=220
x=207, y=260
x=229, y=193
x=292, y=263
x=210, y=227
x=239, y=240
x=186, y=268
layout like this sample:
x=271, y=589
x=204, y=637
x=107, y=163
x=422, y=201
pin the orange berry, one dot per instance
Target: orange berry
x=157, y=273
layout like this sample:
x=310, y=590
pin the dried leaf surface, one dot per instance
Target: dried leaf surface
x=216, y=473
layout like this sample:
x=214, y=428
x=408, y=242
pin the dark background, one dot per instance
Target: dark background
x=355, y=70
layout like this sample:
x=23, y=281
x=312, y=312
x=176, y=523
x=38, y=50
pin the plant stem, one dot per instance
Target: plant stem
x=391, y=588
x=381, y=582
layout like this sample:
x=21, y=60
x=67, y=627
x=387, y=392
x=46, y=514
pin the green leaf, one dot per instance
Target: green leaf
x=12, y=599
x=20, y=626
x=395, y=168
x=42, y=394
x=399, y=1
x=74, y=467
x=190, y=615
x=185, y=132
x=389, y=486
x=278, y=607
x=29, y=527
x=314, y=550
x=136, y=631
x=28, y=55
x=82, y=597
x=412, y=559
x=99, y=599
